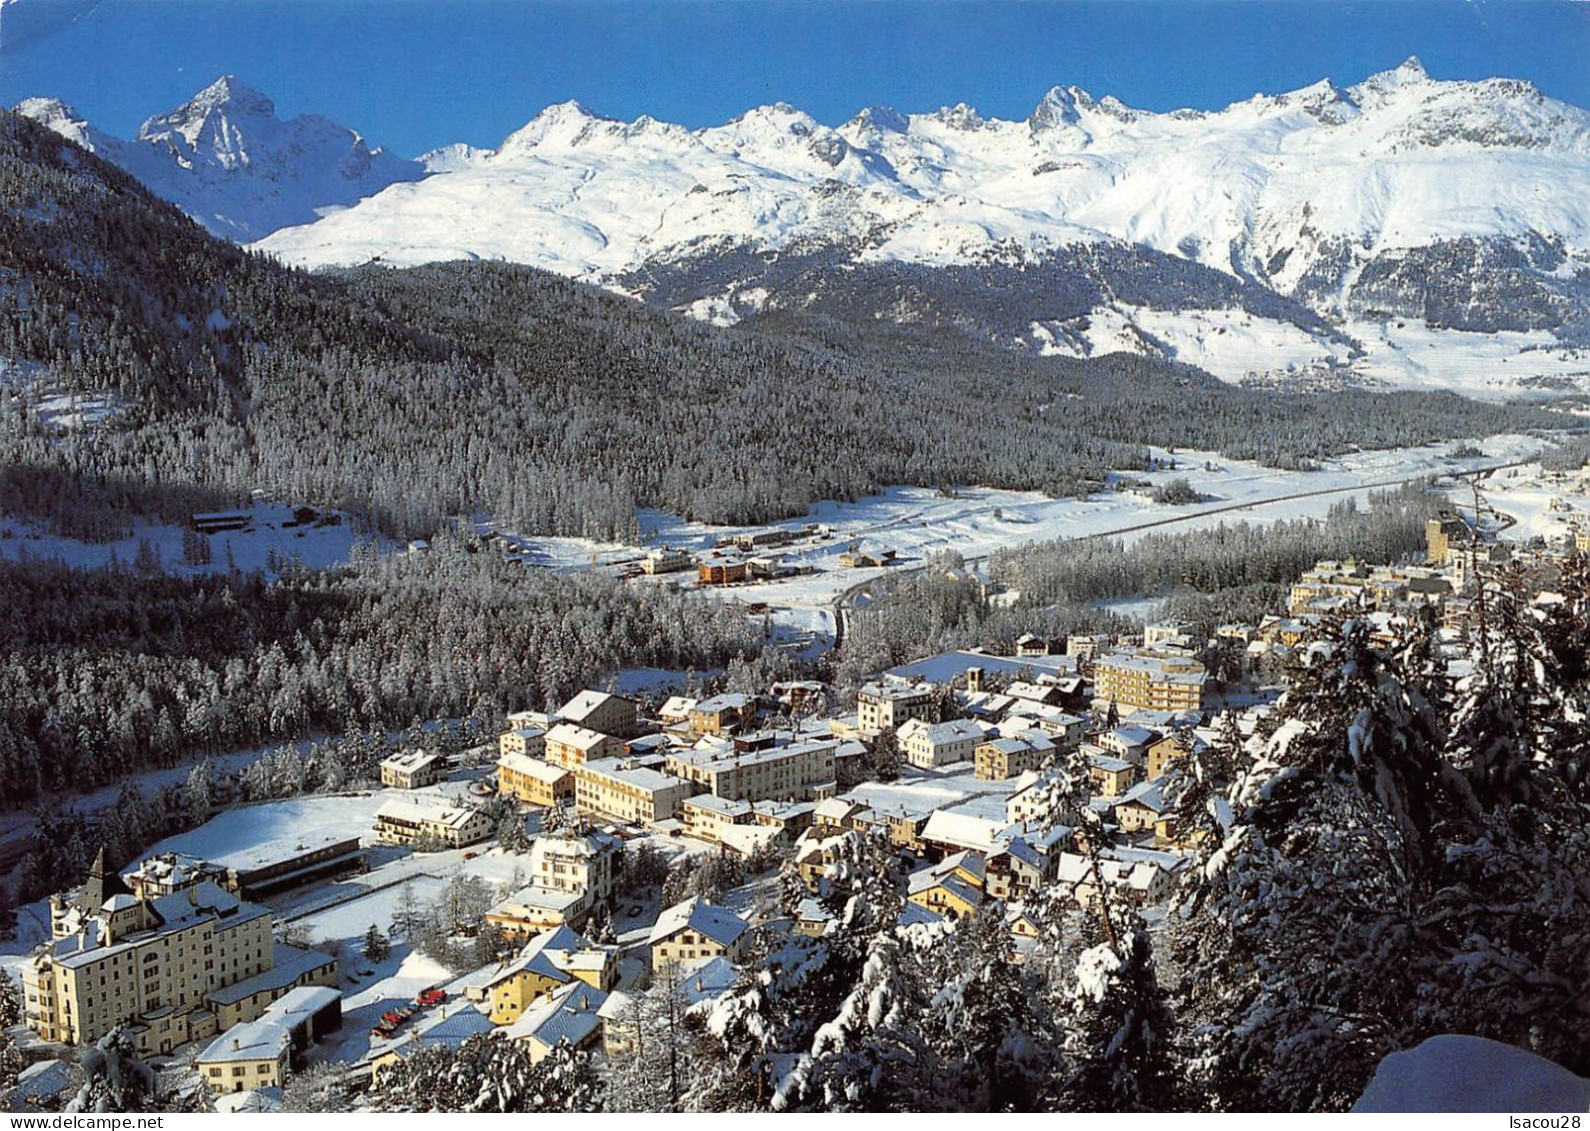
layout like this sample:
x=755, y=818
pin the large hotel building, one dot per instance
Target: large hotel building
x=160, y=957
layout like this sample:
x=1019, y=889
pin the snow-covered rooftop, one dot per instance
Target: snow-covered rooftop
x=719, y=924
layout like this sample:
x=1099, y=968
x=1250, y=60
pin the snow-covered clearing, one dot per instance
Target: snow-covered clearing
x=347, y=922
x=48, y=403
x=254, y=826
x=978, y=521
x=1133, y=608
x=264, y=541
x=1541, y=504
x=947, y=665
x=74, y=413
x=654, y=681
x=1491, y=366
x=1236, y=346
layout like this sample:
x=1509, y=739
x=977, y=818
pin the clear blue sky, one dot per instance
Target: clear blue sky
x=413, y=74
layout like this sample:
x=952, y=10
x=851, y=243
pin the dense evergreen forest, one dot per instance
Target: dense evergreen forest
x=1233, y=571
x=108, y=671
x=1230, y=556
x=406, y=396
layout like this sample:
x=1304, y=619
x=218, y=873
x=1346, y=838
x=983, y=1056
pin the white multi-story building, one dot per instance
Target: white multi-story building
x=409, y=822
x=571, y=873
x=887, y=704
x=159, y=963
x=576, y=861
x=526, y=741
x=930, y=745
x=413, y=769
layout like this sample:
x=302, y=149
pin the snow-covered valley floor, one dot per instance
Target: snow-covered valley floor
x=977, y=521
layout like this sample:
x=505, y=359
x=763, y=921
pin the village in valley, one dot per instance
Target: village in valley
x=541, y=886
x=794, y=559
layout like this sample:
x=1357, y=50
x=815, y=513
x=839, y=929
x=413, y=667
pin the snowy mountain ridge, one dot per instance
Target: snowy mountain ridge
x=1455, y=207
x=227, y=160
x=1265, y=187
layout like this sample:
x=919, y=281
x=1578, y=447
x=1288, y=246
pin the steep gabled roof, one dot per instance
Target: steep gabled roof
x=571, y=1014
x=583, y=705
x=1146, y=794
x=719, y=924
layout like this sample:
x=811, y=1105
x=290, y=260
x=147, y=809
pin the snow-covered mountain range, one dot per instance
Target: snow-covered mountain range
x=227, y=160
x=1404, y=230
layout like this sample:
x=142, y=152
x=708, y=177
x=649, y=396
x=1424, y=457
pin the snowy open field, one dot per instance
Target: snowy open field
x=947, y=665
x=1485, y=366
x=1235, y=345
x=48, y=403
x=253, y=826
x=316, y=547
x=641, y=682
x=915, y=521
x=1540, y=504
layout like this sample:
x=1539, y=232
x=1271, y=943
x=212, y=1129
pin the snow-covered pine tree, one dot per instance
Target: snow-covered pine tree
x=565, y=1081
x=862, y=889
x=1119, y=1048
x=1064, y=926
x=599, y=928
x=993, y=1047
x=1510, y=909
x=488, y=1073
x=870, y=1056
x=376, y=948
x=10, y=1002
x=198, y=795
x=320, y=1087
x=114, y=1078
x=792, y=887
x=656, y=1073
x=1522, y=710
x=885, y=756
x=734, y=1068
x=10, y=1062
x=491, y=944
x=1194, y=789
x=1295, y=951
x=408, y=917
x=555, y=819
